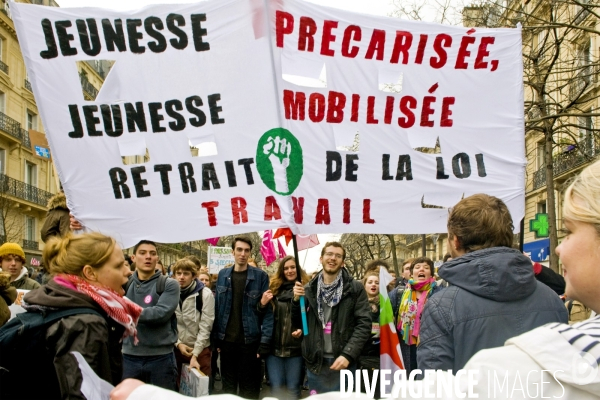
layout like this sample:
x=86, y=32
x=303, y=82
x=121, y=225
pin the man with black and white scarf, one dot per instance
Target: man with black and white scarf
x=339, y=323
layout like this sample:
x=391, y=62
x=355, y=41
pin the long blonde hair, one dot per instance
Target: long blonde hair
x=582, y=197
x=69, y=254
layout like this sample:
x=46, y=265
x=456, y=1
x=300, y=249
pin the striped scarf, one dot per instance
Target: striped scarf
x=409, y=315
x=120, y=309
x=329, y=294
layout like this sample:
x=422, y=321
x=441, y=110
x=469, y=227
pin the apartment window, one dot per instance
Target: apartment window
x=30, y=228
x=31, y=120
x=541, y=207
x=585, y=129
x=30, y=173
x=2, y=103
x=2, y=161
x=540, y=154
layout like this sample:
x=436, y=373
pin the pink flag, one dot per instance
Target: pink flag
x=213, y=241
x=267, y=249
x=281, y=250
x=306, y=241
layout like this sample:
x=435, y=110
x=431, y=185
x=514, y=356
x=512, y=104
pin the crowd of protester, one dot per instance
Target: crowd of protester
x=138, y=322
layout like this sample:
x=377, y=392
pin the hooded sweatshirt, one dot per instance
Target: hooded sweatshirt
x=493, y=296
x=157, y=326
x=555, y=361
x=24, y=282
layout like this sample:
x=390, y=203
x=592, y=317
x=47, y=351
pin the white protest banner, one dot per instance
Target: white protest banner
x=221, y=73
x=219, y=258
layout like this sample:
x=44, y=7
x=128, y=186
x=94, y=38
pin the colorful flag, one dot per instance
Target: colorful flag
x=287, y=232
x=390, y=357
x=213, y=241
x=268, y=249
x=306, y=241
x=281, y=250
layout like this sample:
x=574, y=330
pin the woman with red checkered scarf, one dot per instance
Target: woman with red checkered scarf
x=88, y=273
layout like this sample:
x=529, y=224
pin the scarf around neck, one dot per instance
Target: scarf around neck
x=285, y=291
x=329, y=294
x=409, y=315
x=121, y=309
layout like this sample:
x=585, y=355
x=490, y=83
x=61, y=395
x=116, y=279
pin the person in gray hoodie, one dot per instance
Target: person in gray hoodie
x=493, y=294
x=152, y=359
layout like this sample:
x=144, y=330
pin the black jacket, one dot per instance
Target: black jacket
x=283, y=343
x=350, y=328
x=98, y=340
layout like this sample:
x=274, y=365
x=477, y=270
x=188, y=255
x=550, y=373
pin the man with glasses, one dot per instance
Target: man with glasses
x=339, y=323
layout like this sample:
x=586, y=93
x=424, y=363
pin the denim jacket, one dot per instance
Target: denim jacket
x=257, y=326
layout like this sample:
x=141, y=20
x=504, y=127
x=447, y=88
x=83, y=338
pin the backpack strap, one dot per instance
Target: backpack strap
x=570, y=306
x=160, y=285
x=199, y=301
x=29, y=318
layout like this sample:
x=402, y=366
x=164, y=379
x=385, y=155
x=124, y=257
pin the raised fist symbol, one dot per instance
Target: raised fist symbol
x=279, y=154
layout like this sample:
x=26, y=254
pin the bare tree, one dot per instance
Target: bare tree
x=363, y=248
x=256, y=240
x=559, y=77
x=12, y=225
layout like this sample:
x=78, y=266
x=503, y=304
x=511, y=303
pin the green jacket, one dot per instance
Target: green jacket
x=24, y=282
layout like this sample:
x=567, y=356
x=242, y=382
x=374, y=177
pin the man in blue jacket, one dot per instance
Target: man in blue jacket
x=152, y=360
x=492, y=294
x=241, y=330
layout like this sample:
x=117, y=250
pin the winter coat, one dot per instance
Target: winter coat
x=96, y=338
x=350, y=328
x=24, y=282
x=8, y=295
x=284, y=344
x=546, y=362
x=493, y=296
x=194, y=327
x=57, y=219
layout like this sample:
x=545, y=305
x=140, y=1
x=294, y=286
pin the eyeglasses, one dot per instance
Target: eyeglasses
x=335, y=255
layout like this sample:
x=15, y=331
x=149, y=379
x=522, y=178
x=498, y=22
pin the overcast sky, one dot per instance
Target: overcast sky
x=310, y=258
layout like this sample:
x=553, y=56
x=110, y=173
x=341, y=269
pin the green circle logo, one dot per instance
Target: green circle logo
x=279, y=161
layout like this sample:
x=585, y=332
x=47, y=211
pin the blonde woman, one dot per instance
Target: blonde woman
x=89, y=271
x=556, y=360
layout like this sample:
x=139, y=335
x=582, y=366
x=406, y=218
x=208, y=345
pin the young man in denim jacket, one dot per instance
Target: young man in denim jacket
x=241, y=330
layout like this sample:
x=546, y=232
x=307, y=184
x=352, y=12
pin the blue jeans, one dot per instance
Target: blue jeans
x=155, y=370
x=328, y=380
x=285, y=372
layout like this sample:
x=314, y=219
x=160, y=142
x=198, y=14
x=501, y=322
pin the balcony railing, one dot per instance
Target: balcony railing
x=5, y=8
x=28, y=85
x=14, y=129
x=88, y=87
x=583, y=80
x=4, y=67
x=581, y=15
x=412, y=238
x=30, y=245
x=567, y=161
x=12, y=187
x=193, y=251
